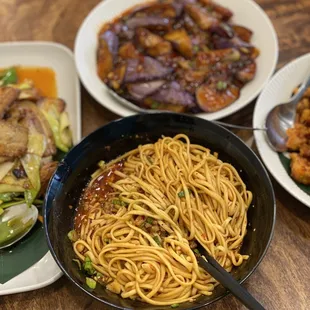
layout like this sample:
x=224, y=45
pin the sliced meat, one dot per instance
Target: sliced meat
x=29, y=114
x=7, y=96
x=181, y=41
x=46, y=172
x=32, y=94
x=141, y=90
x=145, y=69
x=13, y=140
x=300, y=169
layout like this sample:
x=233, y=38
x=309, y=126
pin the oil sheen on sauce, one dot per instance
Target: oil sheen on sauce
x=97, y=192
x=43, y=78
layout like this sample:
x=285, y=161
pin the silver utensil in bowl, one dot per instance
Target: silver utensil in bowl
x=15, y=223
x=281, y=118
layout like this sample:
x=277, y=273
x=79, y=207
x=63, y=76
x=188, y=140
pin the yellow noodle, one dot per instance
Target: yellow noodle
x=172, y=193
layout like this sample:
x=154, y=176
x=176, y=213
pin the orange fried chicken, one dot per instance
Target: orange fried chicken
x=300, y=169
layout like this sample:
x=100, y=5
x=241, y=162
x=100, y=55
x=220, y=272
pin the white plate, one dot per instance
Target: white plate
x=279, y=90
x=246, y=13
x=60, y=59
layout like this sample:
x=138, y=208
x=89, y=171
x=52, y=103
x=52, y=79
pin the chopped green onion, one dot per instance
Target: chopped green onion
x=99, y=275
x=101, y=164
x=157, y=240
x=78, y=263
x=197, y=251
x=155, y=105
x=91, y=283
x=118, y=202
x=182, y=193
x=88, y=266
x=72, y=235
x=9, y=77
x=149, y=220
x=221, y=85
x=5, y=197
x=175, y=305
x=196, y=48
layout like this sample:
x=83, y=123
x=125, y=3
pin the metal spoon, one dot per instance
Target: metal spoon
x=15, y=223
x=281, y=118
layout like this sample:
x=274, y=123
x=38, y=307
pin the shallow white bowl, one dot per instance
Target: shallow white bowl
x=60, y=59
x=279, y=90
x=246, y=13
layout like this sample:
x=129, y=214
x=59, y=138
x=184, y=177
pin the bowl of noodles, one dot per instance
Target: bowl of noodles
x=128, y=208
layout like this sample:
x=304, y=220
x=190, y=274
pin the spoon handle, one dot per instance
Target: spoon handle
x=237, y=126
x=296, y=98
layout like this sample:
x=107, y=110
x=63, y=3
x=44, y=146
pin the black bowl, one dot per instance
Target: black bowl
x=123, y=135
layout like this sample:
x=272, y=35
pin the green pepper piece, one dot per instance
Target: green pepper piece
x=9, y=77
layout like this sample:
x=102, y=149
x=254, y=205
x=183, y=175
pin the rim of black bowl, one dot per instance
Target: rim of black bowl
x=83, y=141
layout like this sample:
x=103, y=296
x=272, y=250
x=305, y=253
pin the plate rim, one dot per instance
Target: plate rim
x=208, y=116
x=53, y=276
x=261, y=143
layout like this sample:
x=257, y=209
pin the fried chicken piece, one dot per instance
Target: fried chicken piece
x=305, y=150
x=13, y=140
x=7, y=96
x=300, y=169
x=297, y=136
x=46, y=172
x=305, y=117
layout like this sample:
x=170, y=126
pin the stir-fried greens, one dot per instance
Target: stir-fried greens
x=184, y=56
x=33, y=129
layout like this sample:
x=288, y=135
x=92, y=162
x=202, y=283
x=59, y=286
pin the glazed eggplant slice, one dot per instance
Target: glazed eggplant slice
x=116, y=77
x=243, y=33
x=112, y=41
x=127, y=51
x=139, y=91
x=145, y=69
x=146, y=38
x=161, y=49
x=247, y=73
x=104, y=59
x=216, y=96
x=181, y=41
x=150, y=22
x=7, y=96
x=222, y=12
x=13, y=140
x=173, y=94
x=201, y=16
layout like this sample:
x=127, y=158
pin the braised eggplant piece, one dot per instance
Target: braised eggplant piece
x=216, y=96
x=201, y=16
x=247, y=73
x=171, y=55
x=139, y=91
x=243, y=33
x=145, y=69
x=173, y=94
x=181, y=41
x=104, y=59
